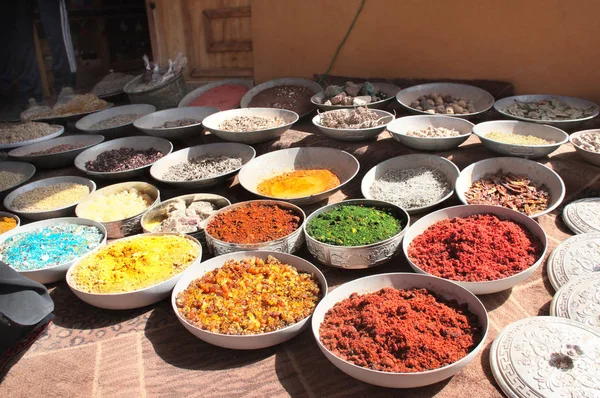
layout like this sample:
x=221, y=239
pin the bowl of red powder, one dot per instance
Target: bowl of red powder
x=400, y=330
x=223, y=95
x=486, y=249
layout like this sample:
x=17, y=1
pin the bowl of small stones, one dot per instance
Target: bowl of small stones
x=376, y=95
x=430, y=132
x=587, y=145
x=416, y=183
x=291, y=93
x=13, y=174
x=175, y=123
x=451, y=99
x=122, y=158
x=202, y=166
x=114, y=122
x=250, y=125
x=356, y=124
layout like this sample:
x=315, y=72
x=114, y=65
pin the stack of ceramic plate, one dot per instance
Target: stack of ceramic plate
x=583, y=216
x=575, y=257
x=579, y=300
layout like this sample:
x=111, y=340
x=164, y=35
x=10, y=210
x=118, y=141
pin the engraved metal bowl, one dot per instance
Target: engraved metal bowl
x=85, y=124
x=287, y=244
x=388, y=88
x=27, y=170
x=192, y=95
x=357, y=257
x=128, y=226
x=286, y=81
x=401, y=126
x=588, y=156
x=150, y=123
x=354, y=134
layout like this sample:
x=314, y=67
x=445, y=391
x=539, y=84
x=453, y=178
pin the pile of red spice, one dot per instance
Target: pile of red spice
x=225, y=97
x=254, y=223
x=477, y=248
x=395, y=330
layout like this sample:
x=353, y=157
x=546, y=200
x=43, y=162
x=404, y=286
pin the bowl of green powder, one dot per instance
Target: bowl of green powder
x=356, y=234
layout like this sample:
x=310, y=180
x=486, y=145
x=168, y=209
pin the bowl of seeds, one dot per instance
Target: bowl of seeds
x=202, y=166
x=416, y=183
x=521, y=139
x=14, y=135
x=517, y=184
x=56, y=153
x=13, y=174
x=356, y=124
x=123, y=158
x=430, y=132
x=587, y=145
x=291, y=93
x=175, y=123
x=49, y=198
x=250, y=125
x=114, y=122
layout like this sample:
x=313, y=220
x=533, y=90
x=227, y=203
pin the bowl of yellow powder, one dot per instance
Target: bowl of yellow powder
x=8, y=221
x=520, y=139
x=133, y=272
x=119, y=207
x=49, y=198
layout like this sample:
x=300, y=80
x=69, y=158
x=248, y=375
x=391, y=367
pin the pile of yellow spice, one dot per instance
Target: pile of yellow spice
x=118, y=206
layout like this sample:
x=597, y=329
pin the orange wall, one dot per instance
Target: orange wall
x=542, y=46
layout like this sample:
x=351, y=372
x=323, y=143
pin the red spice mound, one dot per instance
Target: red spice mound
x=395, y=330
x=227, y=96
x=477, y=248
x=253, y=223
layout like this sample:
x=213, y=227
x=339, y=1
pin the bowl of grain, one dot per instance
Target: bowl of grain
x=353, y=124
x=430, y=132
x=299, y=175
x=587, y=145
x=14, y=135
x=202, y=166
x=250, y=125
x=521, y=139
x=291, y=93
x=519, y=184
x=13, y=174
x=416, y=183
x=114, y=122
x=252, y=276
x=119, y=207
x=123, y=158
x=384, y=95
x=49, y=198
x=175, y=123
x=56, y=153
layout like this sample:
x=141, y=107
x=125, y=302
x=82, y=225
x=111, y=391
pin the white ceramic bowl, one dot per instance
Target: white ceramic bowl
x=150, y=124
x=192, y=95
x=388, y=88
x=439, y=163
x=588, y=156
x=542, y=131
x=47, y=214
x=139, y=143
x=213, y=124
x=27, y=170
x=481, y=99
x=370, y=284
x=341, y=163
x=137, y=298
x=245, y=342
x=536, y=172
x=85, y=123
x=59, y=131
x=354, y=134
x=59, y=159
x=401, y=126
x=462, y=211
x=231, y=149
x=56, y=272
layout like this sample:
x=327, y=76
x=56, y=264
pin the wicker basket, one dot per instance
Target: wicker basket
x=163, y=96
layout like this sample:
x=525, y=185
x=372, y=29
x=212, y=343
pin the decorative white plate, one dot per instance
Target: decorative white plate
x=583, y=216
x=579, y=255
x=579, y=300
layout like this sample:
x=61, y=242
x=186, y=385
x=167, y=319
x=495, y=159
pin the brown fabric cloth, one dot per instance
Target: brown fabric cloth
x=94, y=352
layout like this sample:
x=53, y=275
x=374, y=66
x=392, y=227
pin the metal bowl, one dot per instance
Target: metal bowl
x=213, y=124
x=286, y=81
x=354, y=134
x=287, y=244
x=59, y=131
x=443, y=165
x=341, y=163
x=57, y=272
x=137, y=298
x=482, y=100
x=401, y=126
x=56, y=160
x=374, y=283
x=128, y=226
x=138, y=142
x=388, y=88
x=250, y=341
x=536, y=172
x=462, y=211
x=150, y=124
x=192, y=95
x=160, y=168
x=542, y=131
x=357, y=257
x=85, y=124
x=588, y=156
x=27, y=170
x=47, y=214
x=71, y=117
x=504, y=103
x=10, y=215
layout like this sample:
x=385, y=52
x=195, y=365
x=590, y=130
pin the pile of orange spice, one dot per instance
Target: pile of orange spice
x=7, y=223
x=298, y=183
